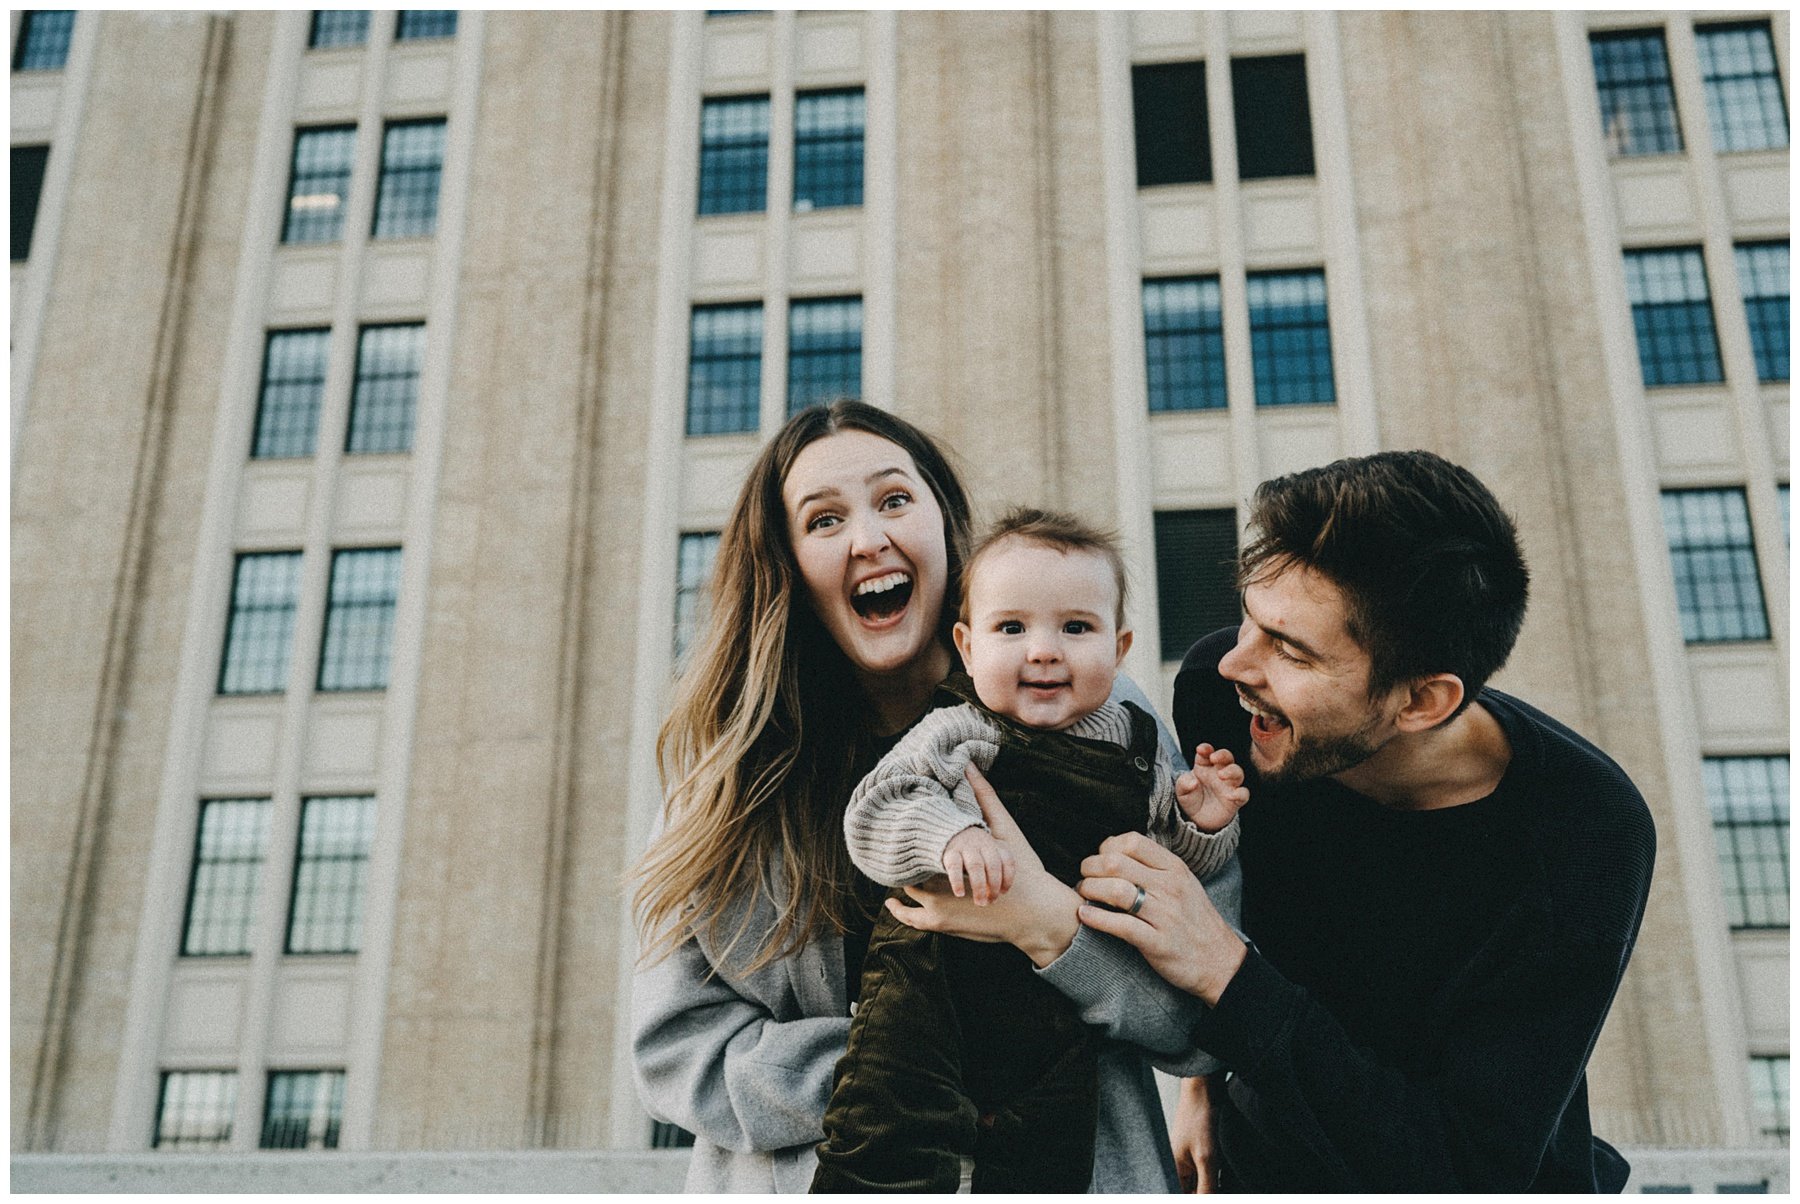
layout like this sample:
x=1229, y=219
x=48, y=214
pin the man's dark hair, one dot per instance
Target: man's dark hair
x=1428, y=562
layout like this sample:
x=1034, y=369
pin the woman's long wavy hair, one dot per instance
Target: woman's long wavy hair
x=768, y=723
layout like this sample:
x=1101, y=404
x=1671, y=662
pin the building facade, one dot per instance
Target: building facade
x=381, y=381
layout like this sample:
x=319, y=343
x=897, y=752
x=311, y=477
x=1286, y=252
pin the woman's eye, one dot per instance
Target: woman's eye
x=819, y=522
x=895, y=500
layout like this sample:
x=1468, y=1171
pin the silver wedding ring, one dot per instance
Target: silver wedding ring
x=1137, y=902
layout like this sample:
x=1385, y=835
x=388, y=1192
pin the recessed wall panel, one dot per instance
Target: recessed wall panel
x=302, y=285
x=1655, y=199
x=728, y=260
x=395, y=281
x=343, y=744
x=312, y=1012
x=1737, y=691
x=330, y=86
x=240, y=745
x=371, y=499
x=415, y=80
x=206, y=1008
x=1177, y=231
x=1756, y=193
x=272, y=505
x=1191, y=459
x=824, y=254
x=737, y=55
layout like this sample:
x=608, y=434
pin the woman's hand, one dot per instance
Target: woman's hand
x=1172, y=923
x=1194, y=1133
x=1037, y=915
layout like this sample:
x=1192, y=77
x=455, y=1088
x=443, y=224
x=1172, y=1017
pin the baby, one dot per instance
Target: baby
x=957, y=1048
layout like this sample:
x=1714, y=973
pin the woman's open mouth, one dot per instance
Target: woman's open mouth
x=882, y=599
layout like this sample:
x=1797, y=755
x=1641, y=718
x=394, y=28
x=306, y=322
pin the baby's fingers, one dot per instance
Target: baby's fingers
x=953, y=866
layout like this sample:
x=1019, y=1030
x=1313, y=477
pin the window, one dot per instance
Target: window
x=724, y=369
x=1637, y=101
x=412, y=160
x=1763, y=277
x=329, y=871
x=193, y=1111
x=824, y=351
x=1749, y=801
x=693, y=569
x=28, y=163
x=319, y=183
x=1168, y=107
x=264, y=590
x=339, y=27
x=416, y=23
x=228, y=855
x=1781, y=494
x=303, y=1110
x=44, y=39
x=828, y=149
x=359, y=619
x=1672, y=311
x=293, y=383
x=1184, y=344
x=1196, y=576
x=387, y=388
x=734, y=155
x=665, y=1135
x=1290, y=338
x=1769, y=1098
x=1274, y=128
x=1743, y=90
x=1714, y=561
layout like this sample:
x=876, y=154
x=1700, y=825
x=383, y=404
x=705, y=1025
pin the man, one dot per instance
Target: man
x=1442, y=884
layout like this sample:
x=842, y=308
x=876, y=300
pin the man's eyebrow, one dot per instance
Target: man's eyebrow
x=831, y=490
x=1278, y=634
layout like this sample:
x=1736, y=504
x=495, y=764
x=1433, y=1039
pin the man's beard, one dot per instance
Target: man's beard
x=1314, y=758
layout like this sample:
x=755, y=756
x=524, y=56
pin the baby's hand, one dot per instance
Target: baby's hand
x=1211, y=793
x=988, y=863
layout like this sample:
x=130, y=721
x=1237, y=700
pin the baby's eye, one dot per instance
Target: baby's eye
x=1012, y=627
x=1077, y=627
x=895, y=500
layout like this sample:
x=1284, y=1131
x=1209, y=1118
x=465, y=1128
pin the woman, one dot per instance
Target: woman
x=828, y=634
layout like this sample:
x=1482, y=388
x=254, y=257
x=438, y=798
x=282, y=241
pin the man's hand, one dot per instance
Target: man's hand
x=1037, y=914
x=1176, y=927
x=1194, y=1134
x=987, y=862
x=1212, y=792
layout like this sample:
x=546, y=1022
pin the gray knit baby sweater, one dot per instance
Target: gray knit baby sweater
x=909, y=806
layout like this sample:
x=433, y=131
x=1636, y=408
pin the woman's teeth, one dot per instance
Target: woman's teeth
x=880, y=597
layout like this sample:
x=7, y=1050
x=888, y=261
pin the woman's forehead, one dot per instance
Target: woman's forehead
x=843, y=462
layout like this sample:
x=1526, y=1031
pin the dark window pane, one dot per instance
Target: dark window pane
x=387, y=388
x=1274, y=127
x=359, y=619
x=412, y=161
x=1196, y=575
x=734, y=155
x=330, y=868
x=1743, y=88
x=1769, y=1100
x=1749, y=801
x=1290, y=338
x=1184, y=344
x=1168, y=106
x=828, y=149
x=228, y=856
x=824, y=351
x=319, y=184
x=293, y=382
x=28, y=163
x=667, y=1136
x=724, y=369
x=1637, y=101
x=264, y=591
x=693, y=570
x=44, y=39
x=303, y=1110
x=415, y=23
x=1714, y=562
x=194, y=1109
x=1763, y=277
x=1672, y=311
x=339, y=27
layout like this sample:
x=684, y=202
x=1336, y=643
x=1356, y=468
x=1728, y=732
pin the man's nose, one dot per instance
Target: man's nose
x=1239, y=662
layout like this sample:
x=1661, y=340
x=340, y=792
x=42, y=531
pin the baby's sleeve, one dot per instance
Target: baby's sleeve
x=1206, y=853
x=906, y=810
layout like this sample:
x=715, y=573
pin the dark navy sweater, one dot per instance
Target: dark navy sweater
x=1425, y=987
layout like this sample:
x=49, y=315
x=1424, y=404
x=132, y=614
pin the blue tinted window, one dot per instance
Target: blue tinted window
x=828, y=149
x=734, y=155
x=1184, y=344
x=1748, y=797
x=1714, y=561
x=724, y=369
x=1672, y=312
x=824, y=351
x=1763, y=277
x=1637, y=100
x=1743, y=89
x=1290, y=338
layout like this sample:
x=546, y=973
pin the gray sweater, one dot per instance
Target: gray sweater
x=744, y=1061
x=916, y=799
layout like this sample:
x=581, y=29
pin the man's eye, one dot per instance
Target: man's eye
x=1077, y=627
x=1012, y=627
x=1281, y=651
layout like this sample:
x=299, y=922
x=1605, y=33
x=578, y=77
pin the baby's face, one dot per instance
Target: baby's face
x=1042, y=640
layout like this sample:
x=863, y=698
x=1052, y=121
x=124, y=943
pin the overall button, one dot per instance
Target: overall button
x=1139, y=764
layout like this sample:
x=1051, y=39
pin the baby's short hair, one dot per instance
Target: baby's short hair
x=1052, y=529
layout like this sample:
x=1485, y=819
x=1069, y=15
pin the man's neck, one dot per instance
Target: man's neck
x=1460, y=762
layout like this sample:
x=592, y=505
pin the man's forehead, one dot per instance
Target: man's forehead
x=1306, y=605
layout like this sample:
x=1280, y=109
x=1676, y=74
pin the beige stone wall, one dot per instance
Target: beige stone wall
x=1487, y=349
